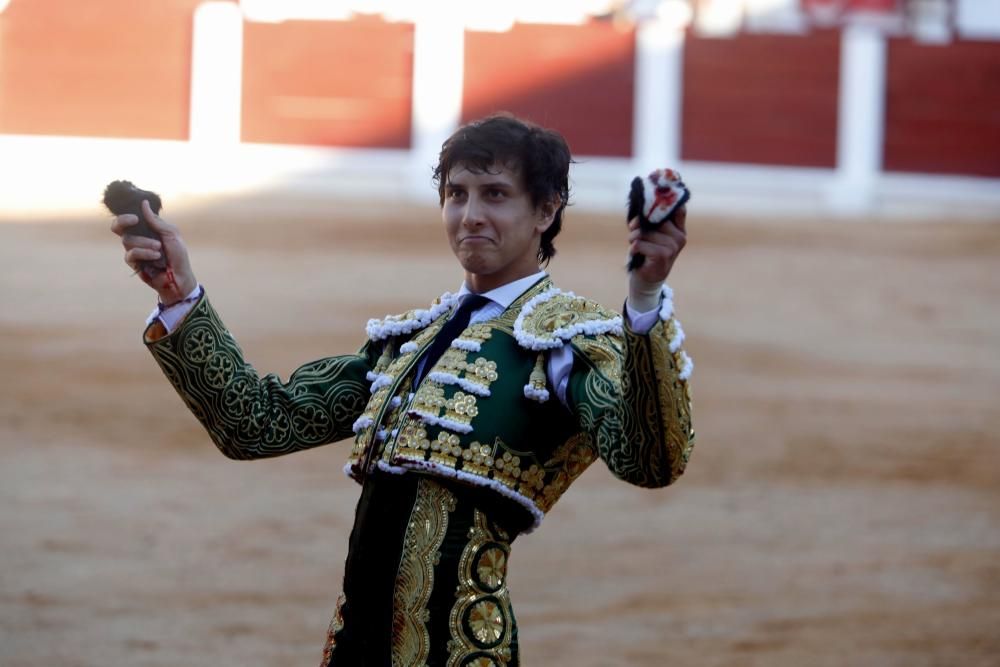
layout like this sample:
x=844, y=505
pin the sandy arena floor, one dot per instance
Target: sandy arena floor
x=841, y=508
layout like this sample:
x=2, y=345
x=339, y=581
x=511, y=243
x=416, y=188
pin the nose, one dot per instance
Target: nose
x=474, y=212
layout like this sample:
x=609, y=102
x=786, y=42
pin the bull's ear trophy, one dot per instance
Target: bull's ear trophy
x=121, y=197
x=654, y=200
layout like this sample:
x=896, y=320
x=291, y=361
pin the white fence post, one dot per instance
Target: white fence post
x=216, y=74
x=438, y=71
x=656, y=134
x=860, y=120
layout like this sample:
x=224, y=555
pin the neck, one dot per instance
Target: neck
x=479, y=283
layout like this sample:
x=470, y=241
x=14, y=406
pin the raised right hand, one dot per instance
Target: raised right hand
x=178, y=280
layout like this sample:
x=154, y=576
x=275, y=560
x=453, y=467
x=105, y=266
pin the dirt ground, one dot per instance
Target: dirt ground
x=841, y=507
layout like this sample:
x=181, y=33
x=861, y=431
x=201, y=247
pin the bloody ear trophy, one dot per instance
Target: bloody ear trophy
x=654, y=200
x=121, y=197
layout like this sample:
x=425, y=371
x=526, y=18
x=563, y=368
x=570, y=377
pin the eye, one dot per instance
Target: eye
x=455, y=194
x=495, y=193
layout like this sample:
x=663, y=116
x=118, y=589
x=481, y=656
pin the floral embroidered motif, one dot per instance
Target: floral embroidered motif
x=455, y=413
x=249, y=416
x=491, y=568
x=474, y=377
x=481, y=620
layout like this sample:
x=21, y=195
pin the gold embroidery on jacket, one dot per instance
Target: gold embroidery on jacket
x=336, y=625
x=563, y=312
x=675, y=402
x=415, y=578
x=249, y=416
x=569, y=460
x=394, y=370
x=606, y=355
x=481, y=620
x=481, y=372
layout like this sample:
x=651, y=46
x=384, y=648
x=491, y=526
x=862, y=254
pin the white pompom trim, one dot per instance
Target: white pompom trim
x=540, y=395
x=362, y=423
x=443, y=422
x=394, y=325
x=687, y=366
x=450, y=378
x=469, y=478
x=667, y=307
x=379, y=380
x=563, y=334
x=391, y=469
x=396, y=402
x=466, y=345
x=408, y=347
x=678, y=338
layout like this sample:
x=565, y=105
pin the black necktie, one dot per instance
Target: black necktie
x=449, y=332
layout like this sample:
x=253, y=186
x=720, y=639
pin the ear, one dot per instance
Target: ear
x=547, y=214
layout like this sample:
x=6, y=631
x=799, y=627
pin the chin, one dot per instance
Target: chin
x=475, y=263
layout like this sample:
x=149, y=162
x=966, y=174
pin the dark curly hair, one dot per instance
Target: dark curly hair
x=541, y=156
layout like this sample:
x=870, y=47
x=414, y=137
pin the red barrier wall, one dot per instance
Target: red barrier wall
x=943, y=108
x=328, y=83
x=109, y=68
x=579, y=80
x=761, y=99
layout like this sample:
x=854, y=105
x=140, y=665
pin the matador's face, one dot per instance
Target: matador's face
x=493, y=227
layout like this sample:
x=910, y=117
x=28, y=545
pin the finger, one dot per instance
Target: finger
x=136, y=255
x=633, y=223
x=675, y=233
x=661, y=234
x=159, y=225
x=132, y=241
x=123, y=222
x=654, y=250
x=680, y=219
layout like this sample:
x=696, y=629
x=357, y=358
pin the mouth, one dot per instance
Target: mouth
x=475, y=239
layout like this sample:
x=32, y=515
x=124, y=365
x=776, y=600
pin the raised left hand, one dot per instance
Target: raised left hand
x=661, y=246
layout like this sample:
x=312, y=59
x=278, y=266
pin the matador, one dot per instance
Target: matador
x=470, y=417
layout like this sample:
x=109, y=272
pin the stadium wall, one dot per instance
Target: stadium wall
x=757, y=122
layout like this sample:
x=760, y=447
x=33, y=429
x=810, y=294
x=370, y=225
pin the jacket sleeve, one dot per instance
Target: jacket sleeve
x=249, y=417
x=631, y=397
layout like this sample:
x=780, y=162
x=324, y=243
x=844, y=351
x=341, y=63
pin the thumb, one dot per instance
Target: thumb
x=159, y=225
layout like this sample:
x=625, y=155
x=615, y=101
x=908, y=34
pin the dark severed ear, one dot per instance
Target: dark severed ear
x=121, y=197
x=654, y=200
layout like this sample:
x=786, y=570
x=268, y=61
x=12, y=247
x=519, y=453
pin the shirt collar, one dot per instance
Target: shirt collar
x=505, y=294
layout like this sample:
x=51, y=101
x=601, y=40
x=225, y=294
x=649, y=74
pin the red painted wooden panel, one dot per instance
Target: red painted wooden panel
x=943, y=108
x=114, y=68
x=762, y=99
x=328, y=83
x=579, y=80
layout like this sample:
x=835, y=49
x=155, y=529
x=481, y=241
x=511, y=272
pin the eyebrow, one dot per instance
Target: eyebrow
x=492, y=184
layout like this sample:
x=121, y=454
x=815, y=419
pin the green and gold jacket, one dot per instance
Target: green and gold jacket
x=482, y=415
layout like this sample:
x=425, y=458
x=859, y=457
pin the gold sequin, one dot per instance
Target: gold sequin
x=415, y=579
x=481, y=619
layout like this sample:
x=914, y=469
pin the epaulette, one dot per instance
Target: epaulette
x=553, y=318
x=411, y=320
